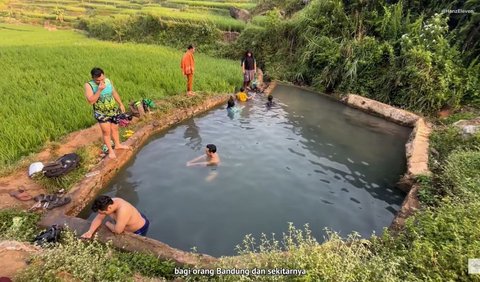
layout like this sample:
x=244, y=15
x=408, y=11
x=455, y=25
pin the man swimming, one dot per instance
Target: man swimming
x=210, y=158
x=127, y=217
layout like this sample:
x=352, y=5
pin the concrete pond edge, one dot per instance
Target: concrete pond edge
x=87, y=189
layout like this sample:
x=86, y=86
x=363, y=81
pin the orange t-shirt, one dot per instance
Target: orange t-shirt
x=188, y=63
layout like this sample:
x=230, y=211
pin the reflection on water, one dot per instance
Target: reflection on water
x=307, y=160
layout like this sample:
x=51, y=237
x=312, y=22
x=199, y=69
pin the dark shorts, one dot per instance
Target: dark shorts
x=101, y=118
x=143, y=231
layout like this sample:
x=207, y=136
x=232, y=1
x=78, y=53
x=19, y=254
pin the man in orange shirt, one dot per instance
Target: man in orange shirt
x=188, y=68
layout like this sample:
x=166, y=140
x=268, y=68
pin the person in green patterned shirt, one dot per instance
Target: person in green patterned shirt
x=105, y=100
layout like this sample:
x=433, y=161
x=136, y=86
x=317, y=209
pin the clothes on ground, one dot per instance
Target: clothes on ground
x=143, y=231
x=242, y=96
x=106, y=107
x=188, y=63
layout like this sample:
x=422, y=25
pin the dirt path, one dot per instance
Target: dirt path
x=14, y=256
x=20, y=178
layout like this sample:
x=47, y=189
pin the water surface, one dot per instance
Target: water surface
x=309, y=159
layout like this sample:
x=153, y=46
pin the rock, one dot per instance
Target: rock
x=468, y=127
x=240, y=14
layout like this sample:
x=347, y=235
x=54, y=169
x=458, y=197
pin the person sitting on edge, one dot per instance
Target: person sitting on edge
x=211, y=157
x=270, y=102
x=127, y=217
x=242, y=96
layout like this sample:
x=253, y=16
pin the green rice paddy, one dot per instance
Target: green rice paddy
x=41, y=87
x=68, y=11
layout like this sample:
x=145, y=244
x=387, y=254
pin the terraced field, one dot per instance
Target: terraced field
x=67, y=11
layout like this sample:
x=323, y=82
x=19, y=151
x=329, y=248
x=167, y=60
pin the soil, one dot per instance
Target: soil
x=14, y=257
x=20, y=178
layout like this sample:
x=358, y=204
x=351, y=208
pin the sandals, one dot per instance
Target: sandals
x=21, y=194
x=49, y=202
x=58, y=202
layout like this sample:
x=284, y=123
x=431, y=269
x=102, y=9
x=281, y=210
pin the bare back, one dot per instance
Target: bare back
x=128, y=214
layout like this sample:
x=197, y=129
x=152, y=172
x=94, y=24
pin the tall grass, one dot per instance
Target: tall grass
x=41, y=88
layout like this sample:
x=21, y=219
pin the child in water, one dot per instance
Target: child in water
x=231, y=108
x=270, y=102
x=242, y=96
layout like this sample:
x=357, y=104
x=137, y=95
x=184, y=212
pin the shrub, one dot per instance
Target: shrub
x=18, y=225
x=461, y=174
x=74, y=257
x=147, y=265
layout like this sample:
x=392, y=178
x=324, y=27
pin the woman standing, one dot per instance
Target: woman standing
x=105, y=100
x=249, y=69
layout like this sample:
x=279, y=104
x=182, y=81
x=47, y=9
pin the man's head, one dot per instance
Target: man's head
x=97, y=75
x=248, y=53
x=270, y=98
x=103, y=205
x=191, y=48
x=211, y=149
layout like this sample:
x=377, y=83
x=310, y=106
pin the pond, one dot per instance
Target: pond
x=309, y=159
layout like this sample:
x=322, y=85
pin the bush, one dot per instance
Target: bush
x=334, y=260
x=74, y=257
x=147, y=265
x=461, y=174
x=152, y=29
x=437, y=243
x=446, y=140
x=18, y=225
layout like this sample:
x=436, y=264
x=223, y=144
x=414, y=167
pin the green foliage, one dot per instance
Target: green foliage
x=436, y=243
x=461, y=174
x=448, y=139
x=335, y=260
x=379, y=51
x=457, y=116
x=72, y=259
x=18, y=225
x=147, y=265
x=152, y=29
x=75, y=257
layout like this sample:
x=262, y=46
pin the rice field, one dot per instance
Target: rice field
x=68, y=11
x=41, y=87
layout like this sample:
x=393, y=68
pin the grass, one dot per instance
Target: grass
x=72, y=260
x=42, y=91
x=88, y=158
x=223, y=23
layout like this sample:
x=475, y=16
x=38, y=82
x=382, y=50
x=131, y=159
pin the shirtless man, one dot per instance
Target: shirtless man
x=210, y=158
x=127, y=217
